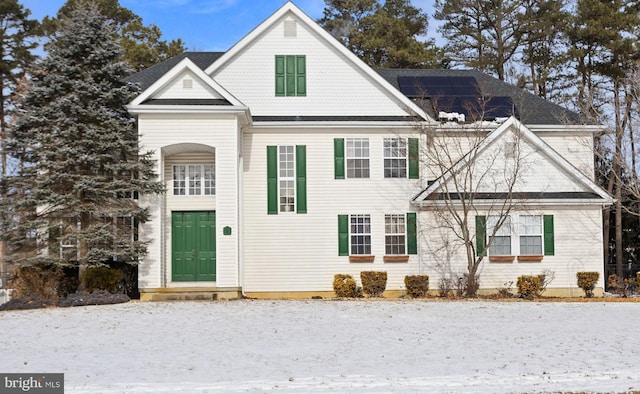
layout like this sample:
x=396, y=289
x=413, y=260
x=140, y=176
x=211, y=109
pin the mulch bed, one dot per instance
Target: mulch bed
x=98, y=297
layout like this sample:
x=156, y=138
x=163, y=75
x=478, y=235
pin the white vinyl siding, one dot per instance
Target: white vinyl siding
x=301, y=251
x=187, y=139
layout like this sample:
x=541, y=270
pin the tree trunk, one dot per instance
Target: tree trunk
x=617, y=175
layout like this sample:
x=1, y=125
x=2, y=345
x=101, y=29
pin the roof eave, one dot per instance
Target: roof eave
x=480, y=203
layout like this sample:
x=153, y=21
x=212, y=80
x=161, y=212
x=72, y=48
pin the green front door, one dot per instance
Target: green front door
x=193, y=246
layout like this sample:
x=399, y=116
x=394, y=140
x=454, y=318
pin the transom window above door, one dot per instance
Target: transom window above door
x=194, y=180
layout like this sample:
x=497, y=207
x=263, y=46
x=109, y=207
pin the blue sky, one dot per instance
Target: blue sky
x=207, y=25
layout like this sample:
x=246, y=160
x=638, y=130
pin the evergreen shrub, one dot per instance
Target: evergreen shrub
x=587, y=282
x=417, y=285
x=102, y=278
x=529, y=286
x=373, y=282
x=344, y=286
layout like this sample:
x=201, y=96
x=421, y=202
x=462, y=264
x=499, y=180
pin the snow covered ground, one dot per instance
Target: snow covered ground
x=318, y=346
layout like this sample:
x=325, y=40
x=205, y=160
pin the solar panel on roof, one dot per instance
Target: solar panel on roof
x=459, y=94
x=500, y=107
x=438, y=86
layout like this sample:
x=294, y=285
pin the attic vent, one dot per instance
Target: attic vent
x=187, y=83
x=290, y=28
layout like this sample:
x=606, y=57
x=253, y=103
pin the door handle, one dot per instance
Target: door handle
x=193, y=254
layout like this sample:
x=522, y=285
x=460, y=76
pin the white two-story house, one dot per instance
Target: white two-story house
x=287, y=160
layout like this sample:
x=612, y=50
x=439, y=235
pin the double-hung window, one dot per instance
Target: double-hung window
x=519, y=235
x=360, y=226
x=394, y=234
x=194, y=180
x=291, y=75
x=355, y=235
x=357, y=158
x=395, y=158
x=501, y=244
x=530, y=235
x=286, y=179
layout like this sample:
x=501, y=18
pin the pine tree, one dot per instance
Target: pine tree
x=382, y=35
x=390, y=37
x=142, y=45
x=17, y=40
x=542, y=46
x=82, y=170
x=484, y=35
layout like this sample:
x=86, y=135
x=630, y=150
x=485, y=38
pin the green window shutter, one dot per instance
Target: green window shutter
x=290, y=75
x=301, y=178
x=481, y=234
x=301, y=75
x=343, y=235
x=338, y=157
x=272, y=180
x=280, y=81
x=414, y=158
x=549, y=243
x=412, y=233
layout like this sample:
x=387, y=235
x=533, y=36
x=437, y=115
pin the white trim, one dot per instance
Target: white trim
x=544, y=148
x=185, y=64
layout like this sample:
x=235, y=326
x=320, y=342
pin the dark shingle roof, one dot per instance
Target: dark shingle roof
x=531, y=109
x=148, y=76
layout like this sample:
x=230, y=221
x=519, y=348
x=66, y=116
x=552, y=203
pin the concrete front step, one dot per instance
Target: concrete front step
x=190, y=294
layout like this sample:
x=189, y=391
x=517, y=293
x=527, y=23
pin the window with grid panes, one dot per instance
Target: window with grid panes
x=395, y=158
x=357, y=156
x=501, y=244
x=287, y=179
x=194, y=180
x=530, y=232
x=360, y=234
x=394, y=234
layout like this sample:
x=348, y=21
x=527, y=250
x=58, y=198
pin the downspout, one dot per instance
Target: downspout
x=240, y=217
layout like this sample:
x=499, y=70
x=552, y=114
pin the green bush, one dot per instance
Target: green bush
x=529, y=286
x=344, y=286
x=102, y=278
x=373, y=283
x=587, y=282
x=417, y=285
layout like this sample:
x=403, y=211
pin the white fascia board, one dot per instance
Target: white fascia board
x=512, y=122
x=294, y=125
x=566, y=128
x=411, y=107
x=242, y=111
x=517, y=204
x=185, y=64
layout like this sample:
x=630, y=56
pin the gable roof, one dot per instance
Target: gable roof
x=531, y=108
x=434, y=194
x=149, y=76
x=290, y=9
